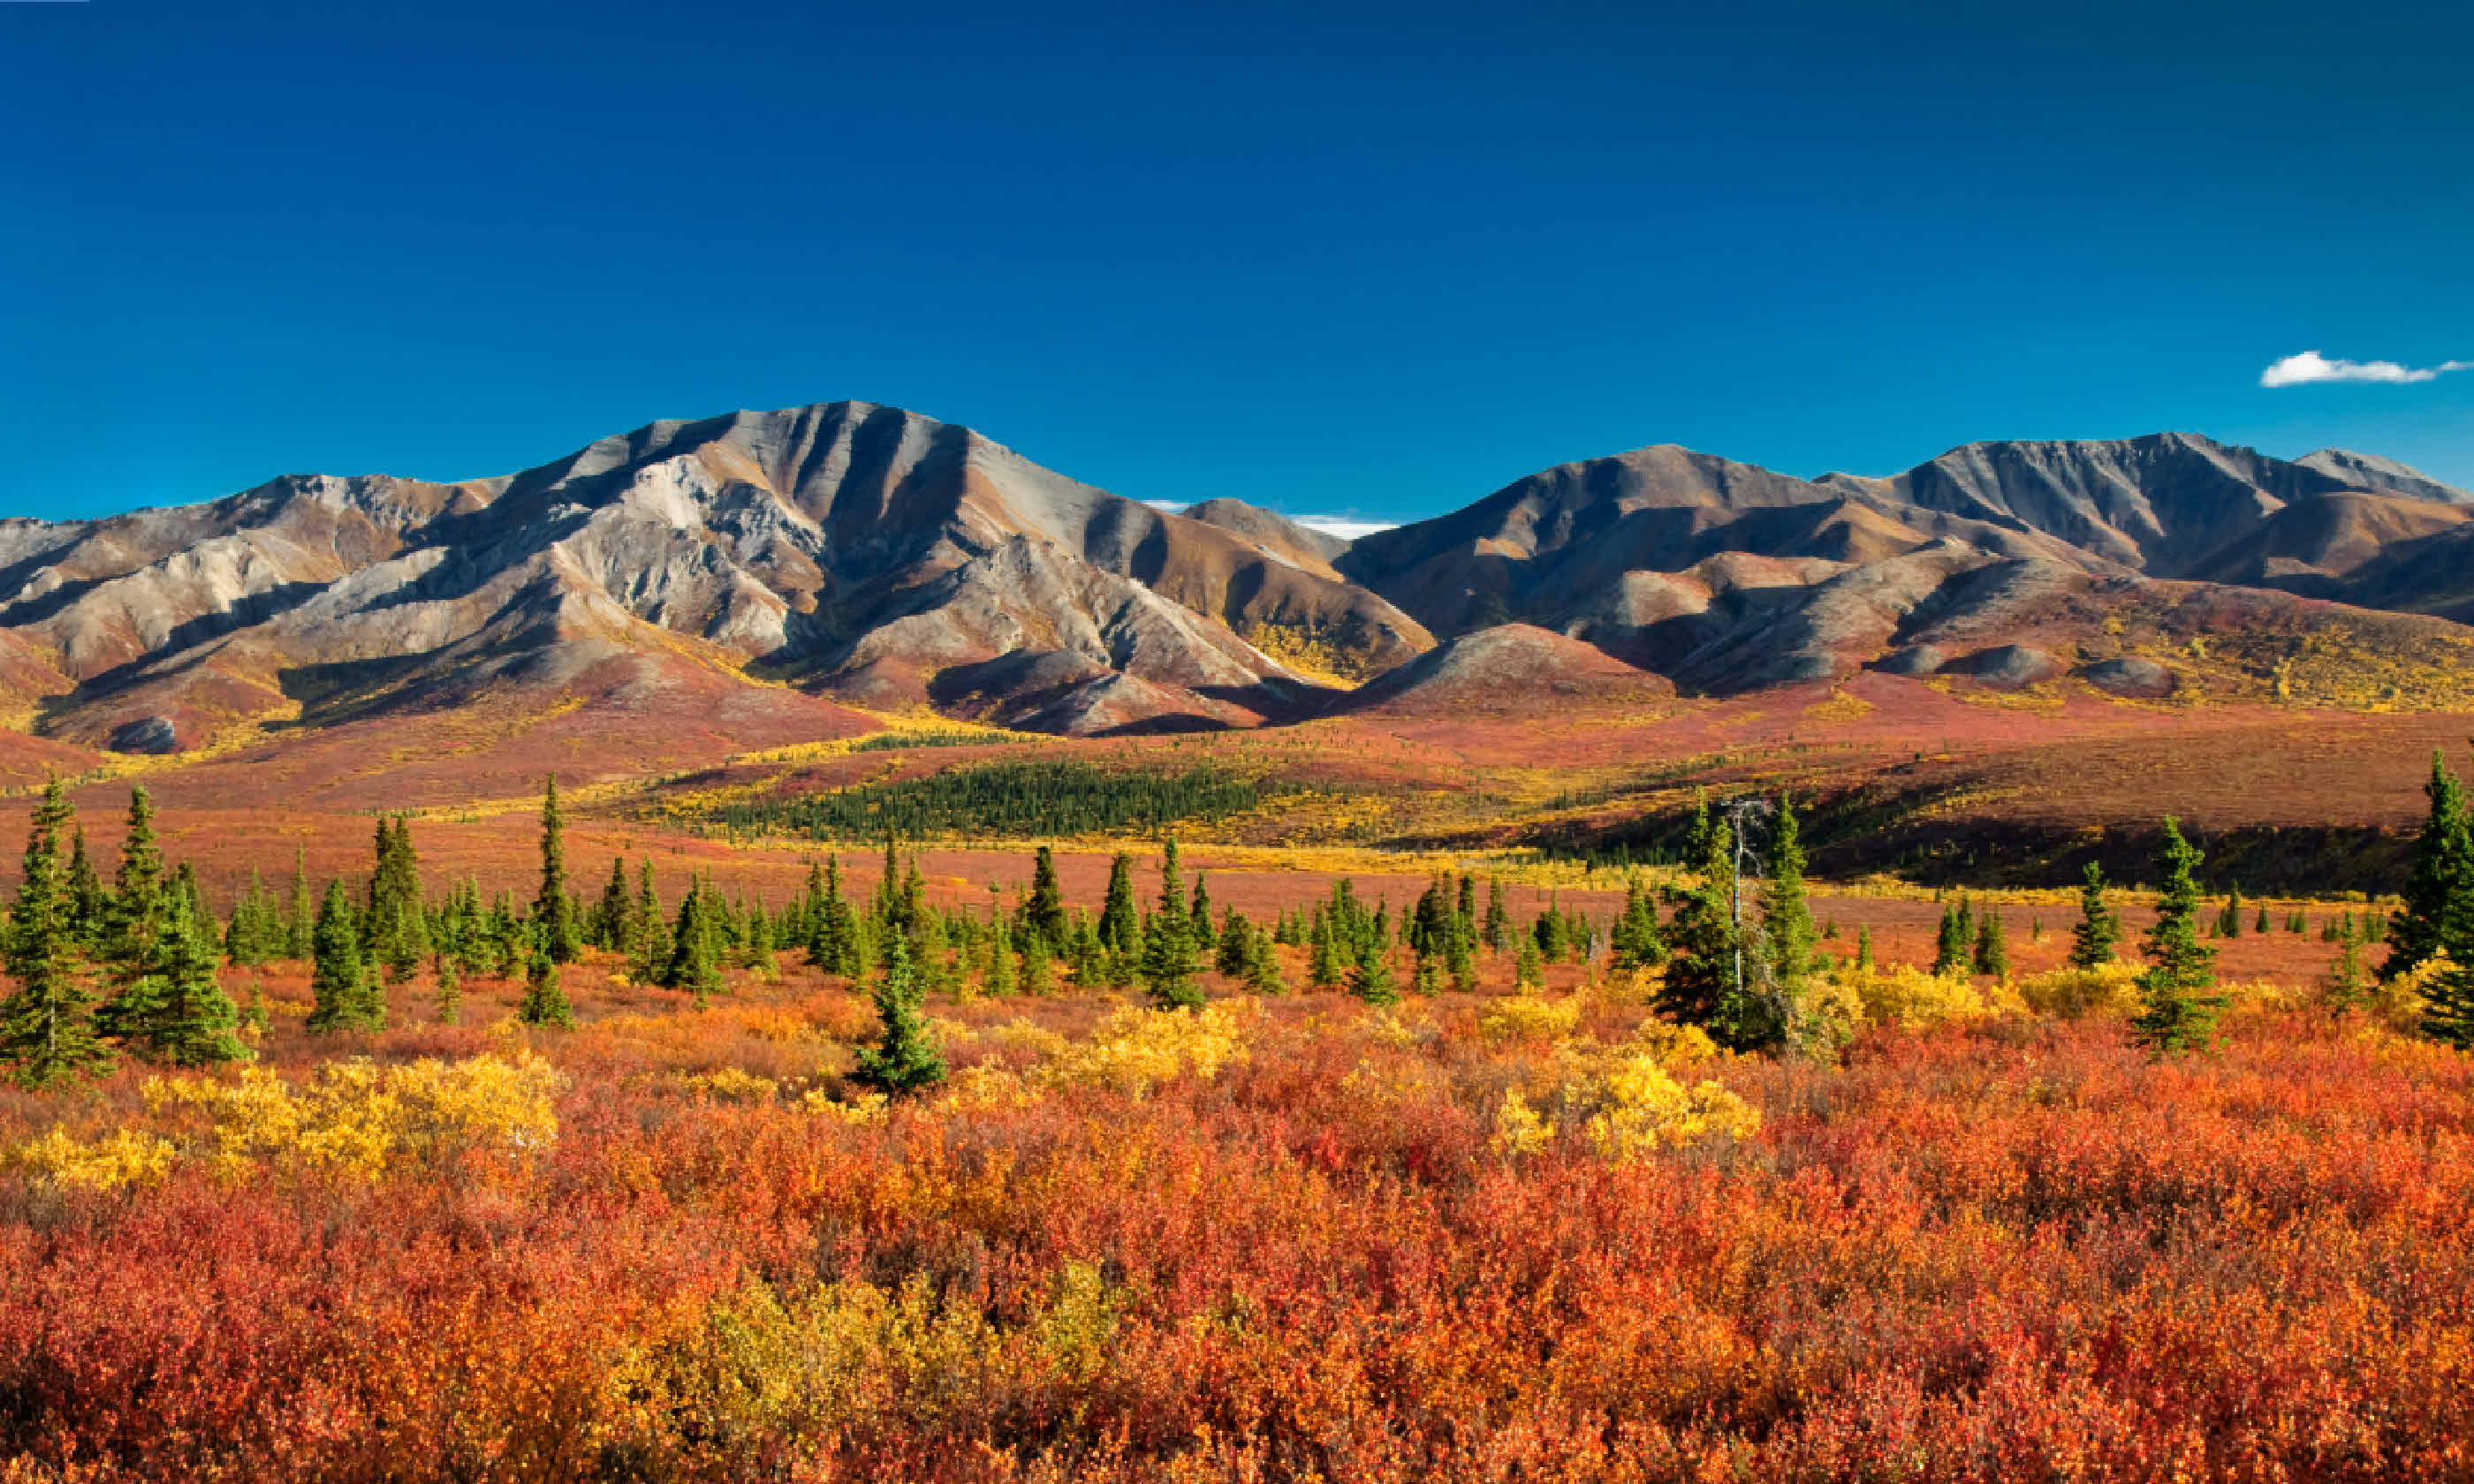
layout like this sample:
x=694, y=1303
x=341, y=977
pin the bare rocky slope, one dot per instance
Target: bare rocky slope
x=1726, y=577
x=779, y=566
x=854, y=551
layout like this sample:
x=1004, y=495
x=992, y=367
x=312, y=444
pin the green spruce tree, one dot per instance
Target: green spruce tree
x=2099, y=925
x=47, y=1023
x=1169, y=957
x=190, y=1021
x=2178, y=1014
x=552, y=907
x=1786, y=916
x=906, y=1057
x=1044, y=913
x=1702, y=938
x=1370, y=977
x=338, y=981
x=544, y=1002
x=2344, y=989
x=133, y=919
x=2441, y=881
x=1992, y=950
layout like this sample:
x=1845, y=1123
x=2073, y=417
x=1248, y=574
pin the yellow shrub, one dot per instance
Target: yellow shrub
x=859, y=1113
x=731, y=1085
x=1646, y=1110
x=1135, y=1050
x=1529, y=1018
x=2111, y=989
x=1904, y=995
x=808, y=1367
x=1674, y=1046
x=122, y=1157
x=1519, y=1129
x=356, y=1117
x=2399, y=1003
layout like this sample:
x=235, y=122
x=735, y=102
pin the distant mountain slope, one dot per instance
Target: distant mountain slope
x=1726, y=577
x=2387, y=476
x=854, y=549
x=771, y=569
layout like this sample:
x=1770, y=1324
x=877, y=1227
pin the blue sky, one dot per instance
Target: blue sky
x=1329, y=258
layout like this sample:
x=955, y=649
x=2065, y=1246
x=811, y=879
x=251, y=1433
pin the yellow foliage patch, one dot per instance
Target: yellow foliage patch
x=1135, y=1049
x=731, y=1085
x=1529, y=1018
x=1904, y=995
x=1646, y=1111
x=356, y=1118
x=120, y=1159
x=2111, y=989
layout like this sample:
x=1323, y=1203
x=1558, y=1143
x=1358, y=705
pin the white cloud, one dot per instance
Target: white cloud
x=1346, y=529
x=2310, y=366
x=1171, y=506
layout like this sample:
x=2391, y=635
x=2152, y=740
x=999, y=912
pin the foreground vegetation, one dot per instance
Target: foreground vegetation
x=860, y=1186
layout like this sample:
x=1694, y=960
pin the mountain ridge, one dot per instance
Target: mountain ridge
x=848, y=554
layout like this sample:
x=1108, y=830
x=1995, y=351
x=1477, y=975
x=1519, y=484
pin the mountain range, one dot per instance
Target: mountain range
x=791, y=564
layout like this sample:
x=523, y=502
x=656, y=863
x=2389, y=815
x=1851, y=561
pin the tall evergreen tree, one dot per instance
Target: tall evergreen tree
x=1786, y=916
x=89, y=903
x=339, y=982
x=395, y=931
x=756, y=942
x=133, y=919
x=1370, y=977
x=1263, y=965
x=1199, y=918
x=649, y=954
x=833, y=927
x=1000, y=976
x=2441, y=883
x=1327, y=962
x=300, y=921
x=1498, y=928
x=610, y=919
x=2344, y=989
x=1169, y=957
x=885, y=905
x=1044, y=913
x=1118, y=928
x=47, y=1023
x=2177, y=1012
x=694, y=966
x=1635, y=942
x=1954, y=954
x=905, y=1056
x=2099, y=925
x=1701, y=934
x=544, y=1002
x=1235, y=944
x=1992, y=951
x=552, y=908
x=189, y=1019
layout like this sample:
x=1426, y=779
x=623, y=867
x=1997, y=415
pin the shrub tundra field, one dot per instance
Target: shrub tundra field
x=1698, y=1173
